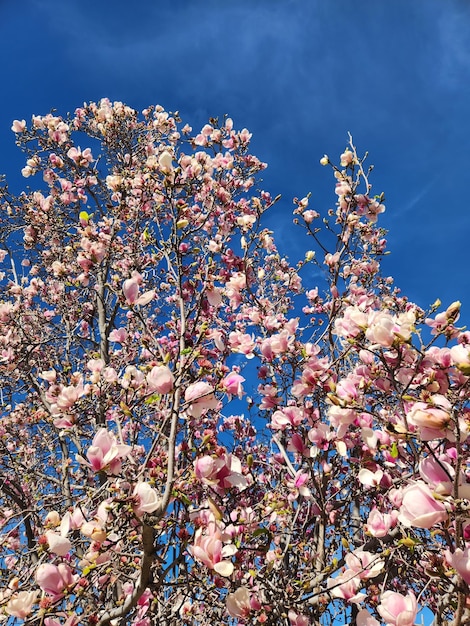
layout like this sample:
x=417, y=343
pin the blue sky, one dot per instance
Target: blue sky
x=299, y=74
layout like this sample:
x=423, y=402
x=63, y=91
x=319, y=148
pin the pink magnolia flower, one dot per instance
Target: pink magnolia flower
x=133, y=378
x=238, y=603
x=233, y=287
x=119, y=335
x=441, y=320
x=54, y=579
x=200, y=397
x=353, y=322
x=82, y=159
x=345, y=586
x=58, y=543
x=114, y=182
x=384, y=328
x=396, y=497
x=419, y=508
x=460, y=561
x=64, y=422
x=347, y=390
x=21, y=604
x=430, y=419
x=165, y=161
x=208, y=549
x=460, y=355
x=218, y=338
x=160, y=379
x=378, y=524
x=131, y=290
x=95, y=366
x=18, y=126
x=74, y=519
x=214, y=296
x=398, y=610
x=368, y=478
x=405, y=325
x=242, y=343
x=380, y=328
x=270, y=398
x=341, y=418
x=439, y=475
x=297, y=444
x=220, y=473
x=277, y=344
x=320, y=436
x=346, y=158
x=94, y=530
x=298, y=485
x=148, y=500
x=332, y=259
x=69, y=395
x=364, y=564
x=288, y=416
x=52, y=518
x=232, y=384
x=49, y=375
x=105, y=453
x=109, y=374
x=94, y=251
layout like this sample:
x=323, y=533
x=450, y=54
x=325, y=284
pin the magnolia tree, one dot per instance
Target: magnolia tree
x=191, y=431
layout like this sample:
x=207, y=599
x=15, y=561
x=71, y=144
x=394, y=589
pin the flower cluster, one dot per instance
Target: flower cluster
x=191, y=431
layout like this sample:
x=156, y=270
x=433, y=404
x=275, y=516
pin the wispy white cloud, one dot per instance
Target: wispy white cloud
x=416, y=199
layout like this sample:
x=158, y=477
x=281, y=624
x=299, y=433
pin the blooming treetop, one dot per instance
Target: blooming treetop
x=191, y=431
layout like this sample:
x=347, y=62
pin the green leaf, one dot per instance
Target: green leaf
x=153, y=398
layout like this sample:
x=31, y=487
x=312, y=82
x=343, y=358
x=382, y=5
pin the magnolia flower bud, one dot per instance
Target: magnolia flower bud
x=453, y=311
